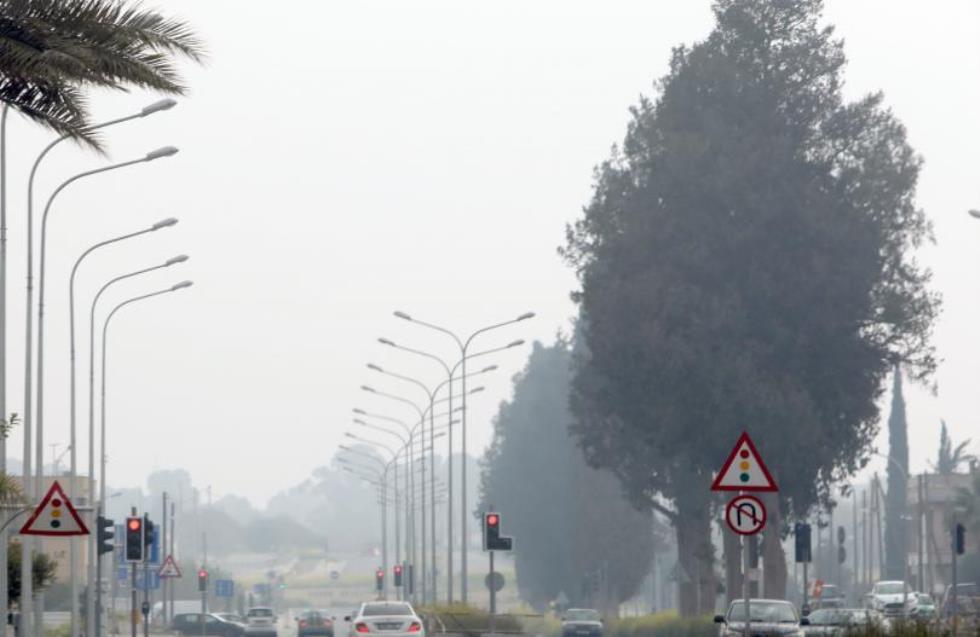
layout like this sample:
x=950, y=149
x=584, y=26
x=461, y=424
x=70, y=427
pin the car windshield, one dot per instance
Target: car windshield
x=826, y=617
x=764, y=612
x=381, y=610
x=260, y=612
x=890, y=588
x=582, y=615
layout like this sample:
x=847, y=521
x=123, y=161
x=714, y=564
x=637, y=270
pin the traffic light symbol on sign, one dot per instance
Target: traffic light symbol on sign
x=134, y=539
x=492, y=540
x=106, y=535
x=202, y=580
x=398, y=575
x=801, y=534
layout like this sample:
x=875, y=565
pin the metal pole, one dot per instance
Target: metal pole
x=747, y=585
x=449, y=497
x=493, y=597
x=464, y=514
x=855, y=561
x=4, y=610
x=164, y=536
x=953, y=599
x=432, y=491
x=919, y=535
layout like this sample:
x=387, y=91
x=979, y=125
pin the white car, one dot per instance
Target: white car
x=260, y=622
x=888, y=597
x=390, y=619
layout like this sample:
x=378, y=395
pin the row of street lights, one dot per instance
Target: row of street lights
x=412, y=439
x=34, y=395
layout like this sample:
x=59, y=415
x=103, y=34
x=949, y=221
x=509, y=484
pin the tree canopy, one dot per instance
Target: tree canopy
x=746, y=263
x=559, y=507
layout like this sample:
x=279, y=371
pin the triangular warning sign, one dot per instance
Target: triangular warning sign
x=169, y=568
x=744, y=470
x=54, y=516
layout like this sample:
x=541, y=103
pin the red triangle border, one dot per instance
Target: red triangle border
x=716, y=483
x=54, y=490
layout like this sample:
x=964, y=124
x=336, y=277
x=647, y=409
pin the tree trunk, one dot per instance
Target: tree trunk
x=773, y=556
x=732, y=550
x=695, y=554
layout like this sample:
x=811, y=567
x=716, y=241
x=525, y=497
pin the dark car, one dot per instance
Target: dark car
x=581, y=622
x=770, y=618
x=205, y=624
x=314, y=622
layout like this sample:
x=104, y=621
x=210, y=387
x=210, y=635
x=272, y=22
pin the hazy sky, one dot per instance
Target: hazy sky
x=343, y=160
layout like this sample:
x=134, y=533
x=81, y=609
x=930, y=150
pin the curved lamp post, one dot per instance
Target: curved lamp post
x=95, y=612
x=166, y=223
x=102, y=445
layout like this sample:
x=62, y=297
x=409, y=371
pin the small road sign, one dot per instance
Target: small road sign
x=169, y=568
x=744, y=470
x=745, y=515
x=54, y=516
x=494, y=581
x=224, y=588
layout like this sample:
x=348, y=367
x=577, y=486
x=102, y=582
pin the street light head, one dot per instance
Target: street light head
x=349, y=434
x=402, y=315
x=374, y=367
x=477, y=390
x=385, y=341
x=358, y=421
x=160, y=105
x=166, y=223
x=359, y=411
x=175, y=260
x=181, y=285
x=370, y=389
x=525, y=316
x=974, y=213
x=489, y=368
x=166, y=151
x=516, y=343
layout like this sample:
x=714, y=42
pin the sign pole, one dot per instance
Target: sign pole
x=493, y=597
x=747, y=585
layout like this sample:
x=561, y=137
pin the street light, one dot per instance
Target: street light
x=165, y=223
x=92, y=578
x=166, y=151
x=463, y=348
x=102, y=445
x=973, y=212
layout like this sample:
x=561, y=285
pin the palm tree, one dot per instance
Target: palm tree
x=950, y=459
x=51, y=51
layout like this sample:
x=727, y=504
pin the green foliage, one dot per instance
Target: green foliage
x=50, y=51
x=950, y=459
x=43, y=574
x=559, y=508
x=896, y=503
x=662, y=625
x=461, y=618
x=745, y=263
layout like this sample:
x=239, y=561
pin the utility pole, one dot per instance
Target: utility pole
x=920, y=515
x=163, y=548
x=855, y=561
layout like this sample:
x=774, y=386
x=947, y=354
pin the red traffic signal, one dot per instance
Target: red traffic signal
x=135, y=524
x=202, y=573
x=493, y=519
x=398, y=569
x=202, y=580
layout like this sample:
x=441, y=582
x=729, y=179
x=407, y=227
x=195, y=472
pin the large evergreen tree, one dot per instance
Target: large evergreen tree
x=745, y=264
x=575, y=531
x=896, y=503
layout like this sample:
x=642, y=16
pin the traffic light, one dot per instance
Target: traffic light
x=148, y=530
x=801, y=532
x=492, y=540
x=202, y=580
x=841, y=551
x=959, y=539
x=379, y=579
x=105, y=534
x=398, y=575
x=134, y=539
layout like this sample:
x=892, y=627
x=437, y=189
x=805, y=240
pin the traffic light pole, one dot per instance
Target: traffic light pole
x=493, y=597
x=953, y=600
x=134, y=608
